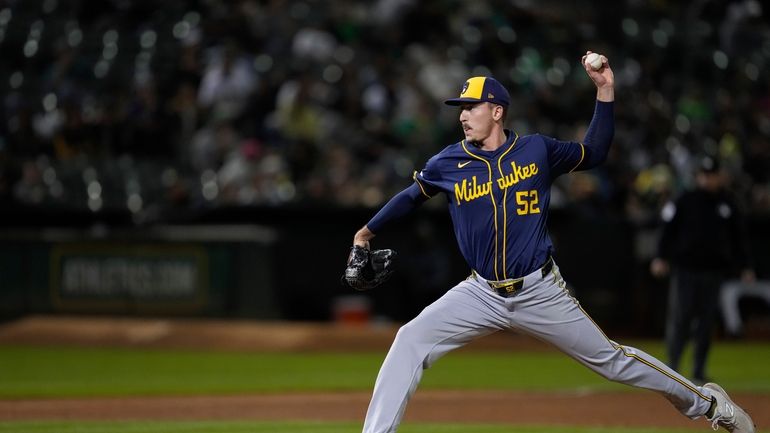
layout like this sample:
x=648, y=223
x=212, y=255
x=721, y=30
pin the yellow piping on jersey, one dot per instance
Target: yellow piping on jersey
x=492, y=196
x=414, y=176
x=505, y=213
x=582, y=155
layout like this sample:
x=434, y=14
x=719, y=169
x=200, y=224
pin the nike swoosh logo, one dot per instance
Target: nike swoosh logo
x=463, y=164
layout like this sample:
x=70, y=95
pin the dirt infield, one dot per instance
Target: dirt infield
x=641, y=409
x=596, y=409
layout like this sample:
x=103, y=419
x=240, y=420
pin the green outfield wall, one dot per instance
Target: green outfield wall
x=179, y=270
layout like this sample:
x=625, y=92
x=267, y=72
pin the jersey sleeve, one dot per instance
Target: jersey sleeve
x=567, y=156
x=425, y=186
x=398, y=206
x=429, y=178
x=563, y=156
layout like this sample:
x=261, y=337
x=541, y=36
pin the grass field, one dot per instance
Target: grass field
x=69, y=372
x=61, y=372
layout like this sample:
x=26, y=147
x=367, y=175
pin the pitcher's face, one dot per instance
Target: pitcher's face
x=478, y=120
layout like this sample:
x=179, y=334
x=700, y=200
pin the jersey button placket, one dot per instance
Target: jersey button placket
x=499, y=202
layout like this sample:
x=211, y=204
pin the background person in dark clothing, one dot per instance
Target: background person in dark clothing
x=704, y=241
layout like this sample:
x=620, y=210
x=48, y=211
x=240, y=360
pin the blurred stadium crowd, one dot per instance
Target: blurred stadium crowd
x=186, y=104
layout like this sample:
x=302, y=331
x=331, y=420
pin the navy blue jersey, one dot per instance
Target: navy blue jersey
x=499, y=200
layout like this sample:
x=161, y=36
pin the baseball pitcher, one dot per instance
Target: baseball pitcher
x=497, y=185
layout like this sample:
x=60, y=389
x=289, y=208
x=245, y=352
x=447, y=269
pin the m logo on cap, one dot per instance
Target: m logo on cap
x=465, y=87
x=481, y=89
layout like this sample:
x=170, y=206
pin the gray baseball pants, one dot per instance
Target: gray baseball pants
x=543, y=309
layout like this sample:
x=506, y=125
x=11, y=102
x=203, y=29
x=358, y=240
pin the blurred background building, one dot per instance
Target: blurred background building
x=303, y=117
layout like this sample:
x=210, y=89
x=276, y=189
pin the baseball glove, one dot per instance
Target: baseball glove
x=368, y=269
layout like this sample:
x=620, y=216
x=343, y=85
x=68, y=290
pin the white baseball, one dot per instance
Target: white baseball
x=594, y=60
